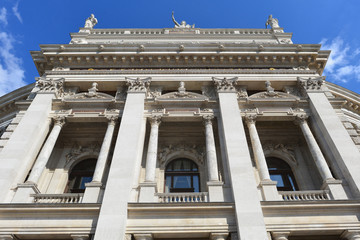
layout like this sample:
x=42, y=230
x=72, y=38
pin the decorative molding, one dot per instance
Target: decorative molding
x=59, y=120
x=314, y=83
x=112, y=119
x=225, y=84
x=138, y=84
x=207, y=118
x=50, y=85
x=250, y=118
x=182, y=94
x=154, y=92
x=155, y=119
x=167, y=151
x=300, y=118
x=287, y=150
x=77, y=151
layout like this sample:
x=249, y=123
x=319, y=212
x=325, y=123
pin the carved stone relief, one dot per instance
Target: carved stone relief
x=138, y=84
x=168, y=151
x=77, y=151
x=50, y=85
x=311, y=83
x=225, y=84
x=287, y=150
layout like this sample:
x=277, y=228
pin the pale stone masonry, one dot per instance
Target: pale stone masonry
x=180, y=133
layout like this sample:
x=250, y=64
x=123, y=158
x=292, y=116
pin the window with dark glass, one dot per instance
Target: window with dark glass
x=81, y=173
x=281, y=172
x=182, y=175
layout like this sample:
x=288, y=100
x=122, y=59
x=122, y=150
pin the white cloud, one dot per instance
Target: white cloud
x=344, y=62
x=11, y=72
x=3, y=16
x=16, y=12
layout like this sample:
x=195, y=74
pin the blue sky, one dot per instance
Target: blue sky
x=24, y=24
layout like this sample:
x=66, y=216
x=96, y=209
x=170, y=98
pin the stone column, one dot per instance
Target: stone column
x=24, y=190
x=280, y=235
x=113, y=213
x=332, y=134
x=247, y=201
x=351, y=235
x=148, y=188
x=329, y=182
x=25, y=143
x=79, y=236
x=268, y=187
x=215, y=187
x=92, y=191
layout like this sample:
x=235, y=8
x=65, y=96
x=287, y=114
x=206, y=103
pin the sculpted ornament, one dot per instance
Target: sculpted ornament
x=50, y=85
x=225, y=84
x=90, y=22
x=287, y=150
x=183, y=23
x=77, y=150
x=59, y=120
x=273, y=22
x=138, y=84
x=311, y=83
x=165, y=152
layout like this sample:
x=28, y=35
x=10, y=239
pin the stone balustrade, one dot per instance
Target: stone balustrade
x=182, y=197
x=58, y=198
x=319, y=195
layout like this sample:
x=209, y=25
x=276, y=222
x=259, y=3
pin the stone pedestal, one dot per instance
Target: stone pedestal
x=24, y=191
x=147, y=192
x=215, y=189
x=269, y=190
x=336, y=189
x=92, y=192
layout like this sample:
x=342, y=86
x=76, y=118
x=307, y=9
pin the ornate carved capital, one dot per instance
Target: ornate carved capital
x=225, y=84
x=300, y=118
x=138, y=84
x=310, y=84
x=155, y=119
x=112, y=120
x=59, y=120
x=250, y=118
x=50, y=85
x=207, y=119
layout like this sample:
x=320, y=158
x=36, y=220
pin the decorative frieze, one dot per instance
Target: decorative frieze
x=314, y=83
x=167, y=151
x=138, y=84
x=50, y=85
x=286, y=150
x=77, y=150
x=225, y=84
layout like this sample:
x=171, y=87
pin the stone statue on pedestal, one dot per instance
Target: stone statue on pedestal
x=183, y=23
x=90, y=22
x=273, y=22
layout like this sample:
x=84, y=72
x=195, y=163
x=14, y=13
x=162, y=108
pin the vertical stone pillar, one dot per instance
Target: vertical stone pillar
x=113, y=214
x=280, y=235
x=268, y=187
x=248, y=212
x=333, y=134
x=25, y=143
x=148, y=188
x=215, y=187
x=93, y=188
x=24, y=190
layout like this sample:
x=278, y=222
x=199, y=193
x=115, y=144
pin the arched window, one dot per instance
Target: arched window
x=82, y=173
x=281, y=172
x=182, y=175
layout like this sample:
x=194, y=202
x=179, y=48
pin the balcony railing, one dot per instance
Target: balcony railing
x=305, y=195
x=58, y=198
x=182, y=197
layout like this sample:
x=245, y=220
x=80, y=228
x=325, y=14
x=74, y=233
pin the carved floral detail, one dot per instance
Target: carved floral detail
x=76, y=151
x=286, y=149
x=155, y=119
x=207, y=119
x=138, y=84
x=250, y=118
x=50, y=85
x=311, y=83
x=59, y=120
x=300, y=118
x=225, y=84
x=198, y=152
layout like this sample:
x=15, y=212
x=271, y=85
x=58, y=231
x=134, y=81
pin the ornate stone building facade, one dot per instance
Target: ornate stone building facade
x=180, y=133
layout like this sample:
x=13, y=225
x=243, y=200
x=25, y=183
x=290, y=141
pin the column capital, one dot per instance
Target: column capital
x=112, y=120
x=207, y=119
x=50, y=85
x=311, y=83
x=138, y=84
x=300, y=118
x=250, y=118
x=155, y=119
x=350, y=235
x=59, y=120
x=280, y=235
x=225, y=84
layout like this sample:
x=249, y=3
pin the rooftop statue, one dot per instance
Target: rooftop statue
x=90, y=22
x=183, y=23
x=273, y=22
